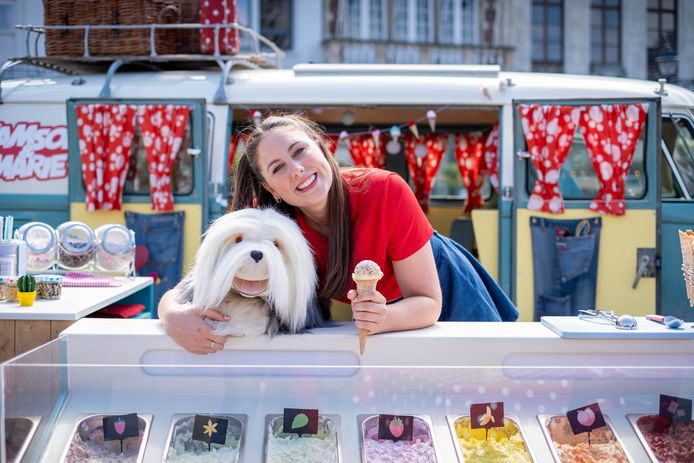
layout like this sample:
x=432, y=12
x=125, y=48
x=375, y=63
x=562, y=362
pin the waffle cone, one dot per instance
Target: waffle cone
x=365, y=284
x=687, y=247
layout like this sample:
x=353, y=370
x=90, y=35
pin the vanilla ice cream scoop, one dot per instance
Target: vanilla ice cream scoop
x=366, y=275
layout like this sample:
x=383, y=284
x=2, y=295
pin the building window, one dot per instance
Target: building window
x=7, y=21
x=662, y=31
x=455, y=25
x=606, y=37
x=276, y=22
x=417, y=21
x=548, y=35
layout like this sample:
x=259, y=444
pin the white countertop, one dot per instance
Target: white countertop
x=74, y=303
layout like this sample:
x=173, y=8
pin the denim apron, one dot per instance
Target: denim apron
x=469, y=293
x=162, y=235
x=565, y=264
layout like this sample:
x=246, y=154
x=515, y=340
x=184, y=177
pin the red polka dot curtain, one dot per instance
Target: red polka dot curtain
x=491, y=156
x=611, y=133
x=105, y=138
x=549, y=134
x=365, y=152
x=469, y=153
x=423, y=160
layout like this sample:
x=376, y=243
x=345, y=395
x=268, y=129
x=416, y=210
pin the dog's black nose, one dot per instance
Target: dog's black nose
x=256, y=255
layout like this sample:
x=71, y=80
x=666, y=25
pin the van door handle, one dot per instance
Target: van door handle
x=641, y=270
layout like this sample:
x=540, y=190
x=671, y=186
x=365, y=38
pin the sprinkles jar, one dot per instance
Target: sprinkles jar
x=11, y=289
x=76, y=245
x=41, y=245
x=2, y=288
x=49, y=286
x=115, y=250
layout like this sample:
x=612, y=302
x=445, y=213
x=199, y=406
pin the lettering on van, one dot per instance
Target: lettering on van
x=29, y=150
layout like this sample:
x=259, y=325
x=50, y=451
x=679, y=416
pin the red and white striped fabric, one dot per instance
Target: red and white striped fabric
x=549, y=132
x=163, y=127
x=365, y=152
x=423, y=168
x=491, y=156
x=105, y=137
x=611, y=133
x=469, y=153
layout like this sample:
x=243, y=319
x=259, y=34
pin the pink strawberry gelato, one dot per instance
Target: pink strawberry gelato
x=669, y=444
x=419, y=450
x=88, y=445
x=571, y=448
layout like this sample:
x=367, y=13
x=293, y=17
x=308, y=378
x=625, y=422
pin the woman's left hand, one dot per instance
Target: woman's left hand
x=369, y=310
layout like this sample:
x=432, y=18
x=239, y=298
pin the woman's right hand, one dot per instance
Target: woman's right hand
x=186, y=325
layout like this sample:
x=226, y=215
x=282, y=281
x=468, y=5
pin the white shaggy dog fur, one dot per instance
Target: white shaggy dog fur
x=255, y=266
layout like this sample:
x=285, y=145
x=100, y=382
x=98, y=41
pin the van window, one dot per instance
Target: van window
x=137, y=178
x=679, y=139
x=578, y=180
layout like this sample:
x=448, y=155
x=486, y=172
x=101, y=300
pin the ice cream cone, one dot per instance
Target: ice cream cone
x=366, y=276
x=687, y=247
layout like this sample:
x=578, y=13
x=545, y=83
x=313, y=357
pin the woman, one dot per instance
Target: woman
x=348, y=216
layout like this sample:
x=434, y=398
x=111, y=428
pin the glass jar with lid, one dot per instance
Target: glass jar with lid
x=41, y=245
x=76, y=245
x=11, y=289
x=115, y=251
x=49, y=286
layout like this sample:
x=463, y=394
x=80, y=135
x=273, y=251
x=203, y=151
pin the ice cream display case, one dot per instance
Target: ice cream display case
x=413, y=393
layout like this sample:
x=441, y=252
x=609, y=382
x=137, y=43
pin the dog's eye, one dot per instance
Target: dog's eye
x=239, y=238
x=277, y=244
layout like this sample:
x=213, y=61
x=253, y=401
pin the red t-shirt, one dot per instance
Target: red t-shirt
x=387, y=225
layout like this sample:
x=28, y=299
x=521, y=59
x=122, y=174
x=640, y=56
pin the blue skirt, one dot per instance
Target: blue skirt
x=469, y=293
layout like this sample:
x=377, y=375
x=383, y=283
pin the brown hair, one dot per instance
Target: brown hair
x=249, y=192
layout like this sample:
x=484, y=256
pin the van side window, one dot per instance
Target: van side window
x=137, y=177
x=679, y=139
x=578, y=180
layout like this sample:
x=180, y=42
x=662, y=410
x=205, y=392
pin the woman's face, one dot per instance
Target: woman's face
x=294, y=168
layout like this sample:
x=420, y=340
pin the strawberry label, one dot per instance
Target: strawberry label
x=210, y=429
x=586, y=418
x=395, y=427
x=487, y=415
x=119, y=427
x=300, y=421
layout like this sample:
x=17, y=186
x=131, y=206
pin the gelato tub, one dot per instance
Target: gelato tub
x=421, y=449
x=663, y=443
x=181, y=447
x=18, y=434
x=87, y=443
x=323, y=447
x=503, y=444
x=567, y=447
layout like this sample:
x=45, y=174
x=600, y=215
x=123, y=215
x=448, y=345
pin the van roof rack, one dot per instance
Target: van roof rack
x=265, y=54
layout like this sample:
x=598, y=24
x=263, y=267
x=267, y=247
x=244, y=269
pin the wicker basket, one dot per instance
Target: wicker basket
x=120, y=42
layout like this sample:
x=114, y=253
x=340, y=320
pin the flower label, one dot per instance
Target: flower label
x=210, y=429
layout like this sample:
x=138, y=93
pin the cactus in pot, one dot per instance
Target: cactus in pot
x=26, y=290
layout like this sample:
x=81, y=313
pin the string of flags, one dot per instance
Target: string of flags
x=395, y=131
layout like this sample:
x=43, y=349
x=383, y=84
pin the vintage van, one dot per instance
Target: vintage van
x=636, y=261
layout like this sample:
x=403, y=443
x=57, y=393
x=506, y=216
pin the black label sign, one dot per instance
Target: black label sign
x=586, y=418
x=487, y=415
x=210, y=429
x=300, y=421
x=675, y=408
x=395, y=427
x=118, y=427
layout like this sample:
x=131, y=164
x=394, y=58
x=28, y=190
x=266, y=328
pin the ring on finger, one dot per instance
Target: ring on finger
x=212, y=345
